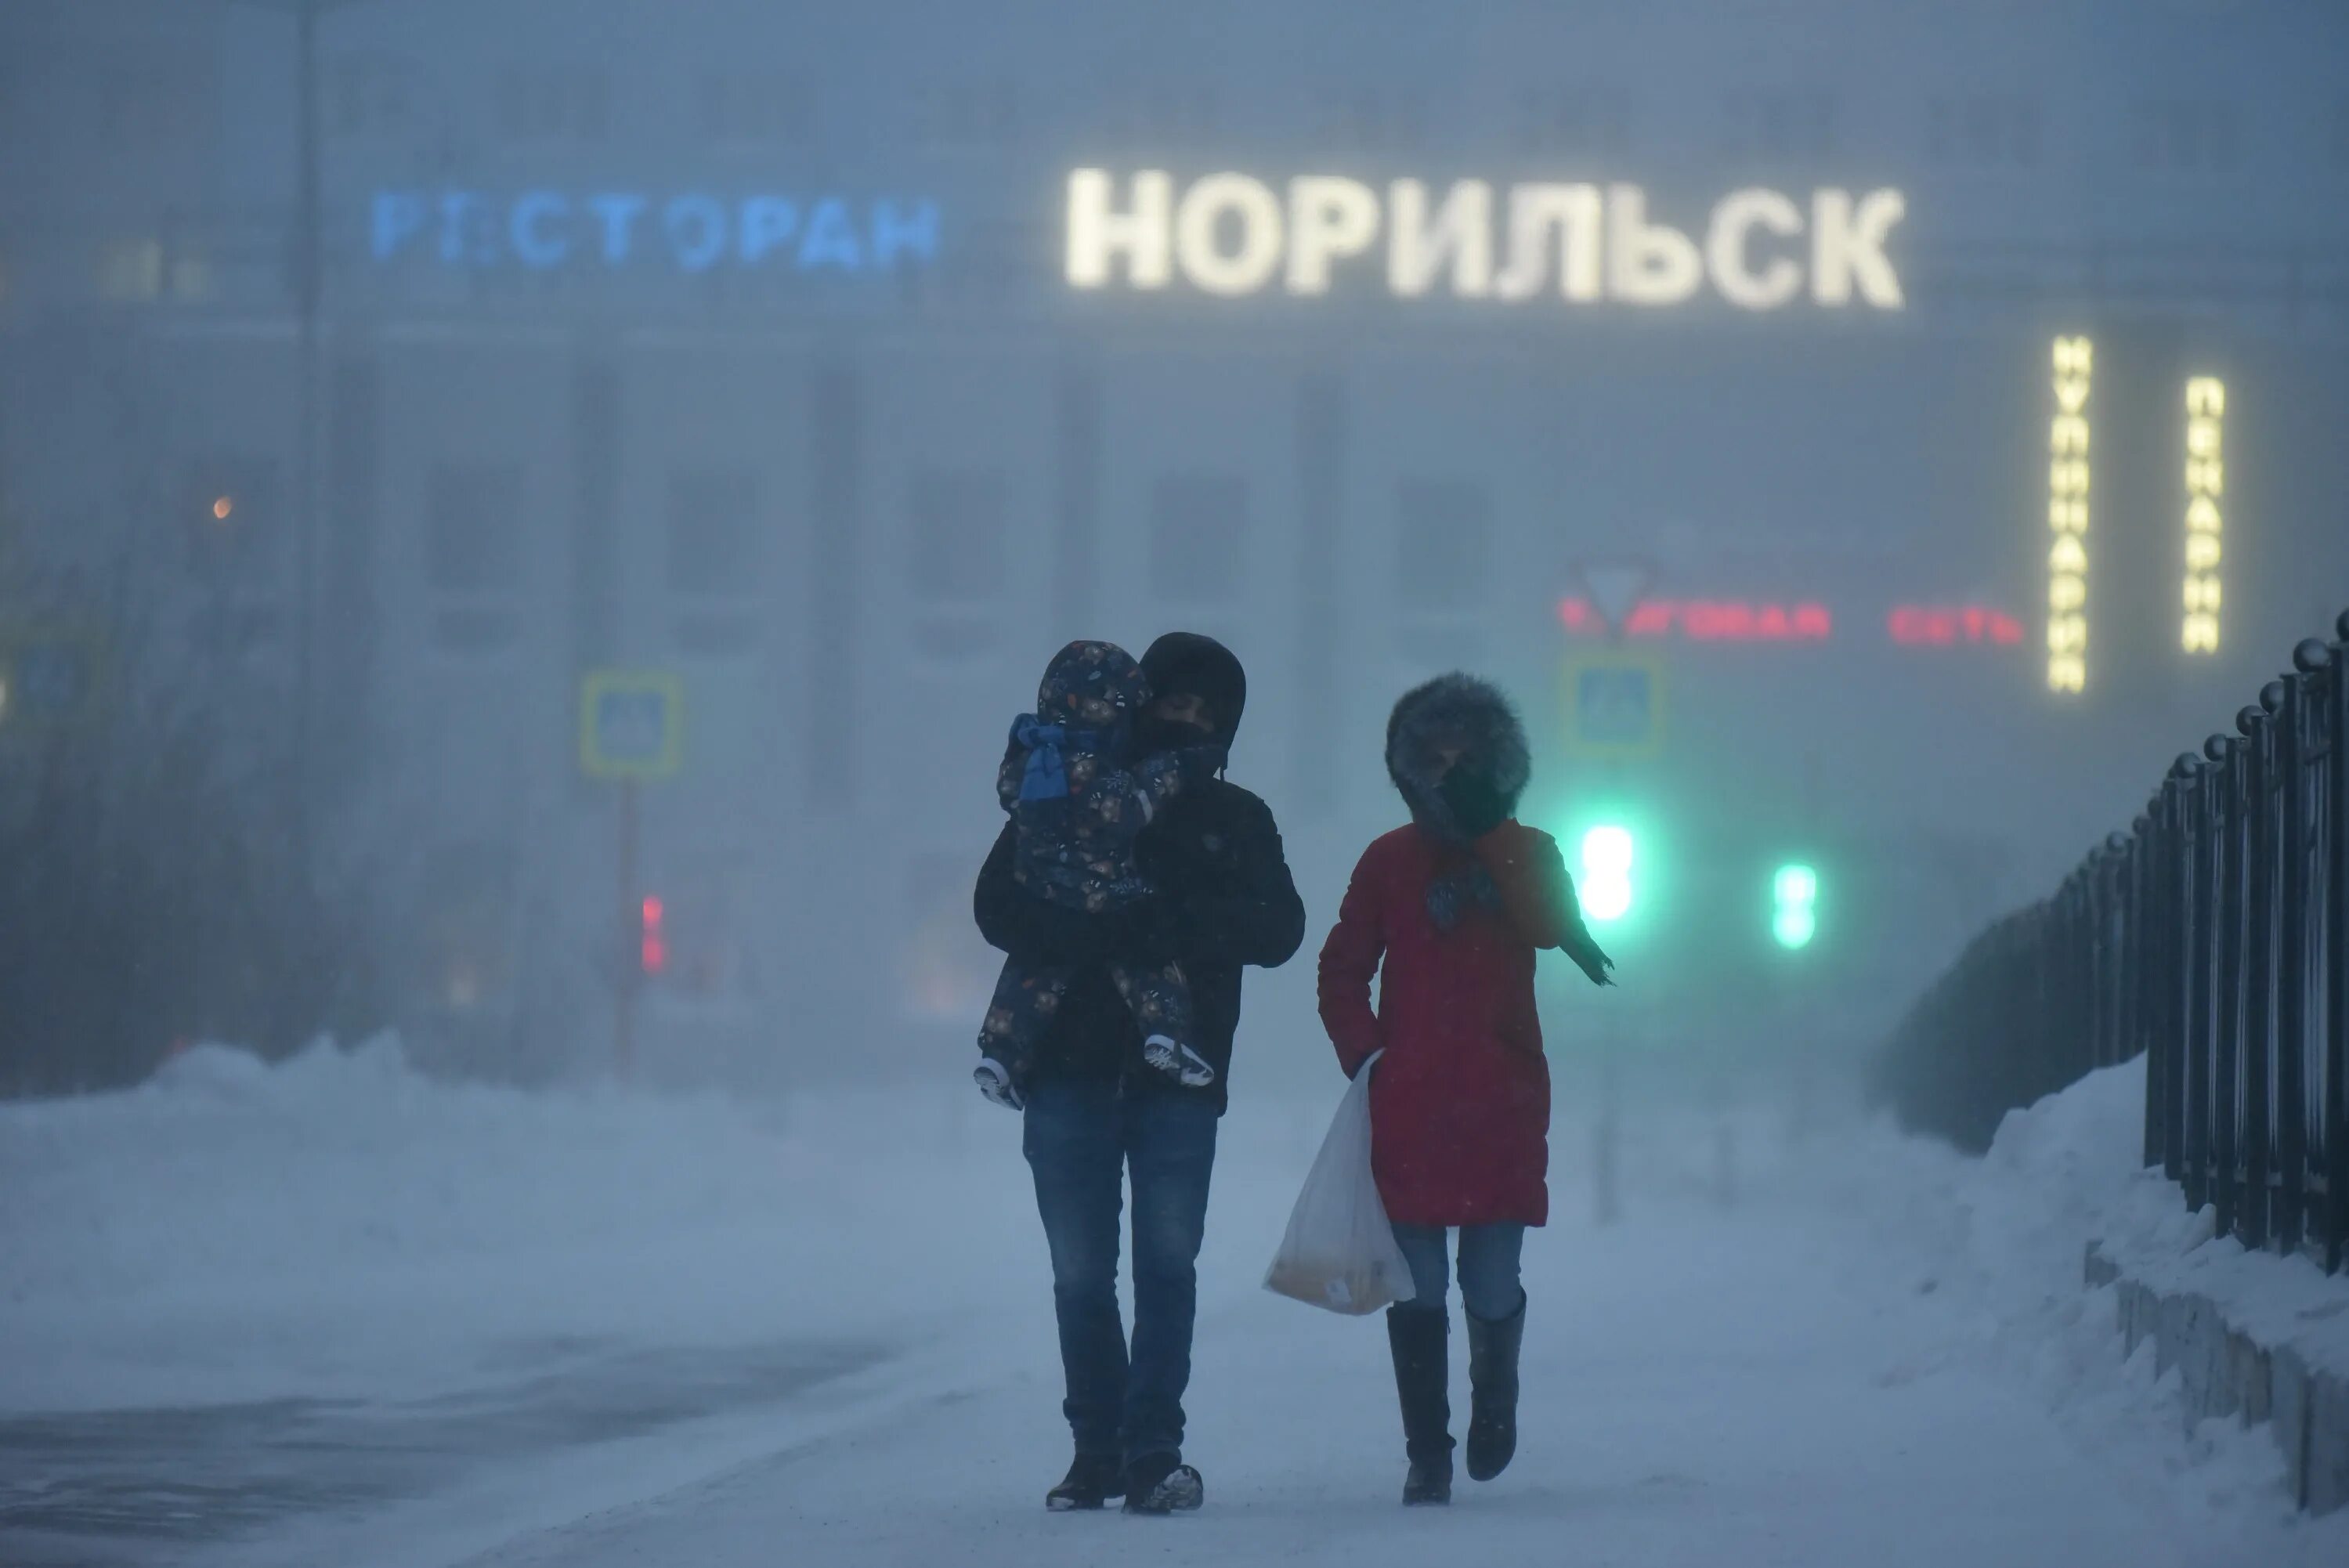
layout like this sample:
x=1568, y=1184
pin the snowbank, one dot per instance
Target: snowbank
x=339, y=1225
x=1996, y=1245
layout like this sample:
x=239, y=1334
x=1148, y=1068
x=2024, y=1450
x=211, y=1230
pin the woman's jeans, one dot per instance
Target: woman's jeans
x=1489, y=1268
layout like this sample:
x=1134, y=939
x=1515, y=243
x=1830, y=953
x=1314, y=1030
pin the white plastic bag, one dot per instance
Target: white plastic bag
x=1341, y=1252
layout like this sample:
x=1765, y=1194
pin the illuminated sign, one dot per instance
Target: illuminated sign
x=2206, y=482
x=1232, y=234
x=2068, y=517
x=1614, y=704
x=1706, y=621
x=1940, y=626
x=695, y=232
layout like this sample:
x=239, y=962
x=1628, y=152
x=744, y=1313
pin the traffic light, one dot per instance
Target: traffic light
x=1605, y=884
x=1794, y=890
x=652, y=941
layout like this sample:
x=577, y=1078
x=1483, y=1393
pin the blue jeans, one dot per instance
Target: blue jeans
x=1488, y=1268
x=1081, y=1139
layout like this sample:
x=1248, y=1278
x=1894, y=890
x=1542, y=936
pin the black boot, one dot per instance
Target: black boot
x=1493, y=1392
x=1162, y=1483
x=1417, y=1335
x=1091, y=1481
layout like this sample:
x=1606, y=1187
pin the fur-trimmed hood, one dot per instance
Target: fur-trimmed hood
x=1459, y=708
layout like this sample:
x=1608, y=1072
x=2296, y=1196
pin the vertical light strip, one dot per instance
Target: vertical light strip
x=2206, y=484
x=2067, y=518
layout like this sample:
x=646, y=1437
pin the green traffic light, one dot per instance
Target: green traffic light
x=1605, y=885
x=1794, y=921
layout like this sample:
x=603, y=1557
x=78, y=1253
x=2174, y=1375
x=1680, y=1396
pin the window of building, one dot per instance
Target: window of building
x=1369, y=120
x=1577, y=119
x=553, y=102
x=713, y=533
x=716, y=556
x=1199, y=529
x=371, y=95
x=143, y=100
x=970, y=113
x=1983, y=131
x=958, y=560
x=1163, y=114
x=753, y=108
x=2183, y=135
x=1788, y=123
x=1445, y=545
x=474, y=532
x=473, y=555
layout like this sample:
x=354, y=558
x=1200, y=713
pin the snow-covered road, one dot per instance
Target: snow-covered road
x=332, y=1313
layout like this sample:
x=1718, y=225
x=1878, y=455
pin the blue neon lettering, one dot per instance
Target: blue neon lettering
x=464, y=227
x=398, y=215
x=537, y=245
x=831, y=240
x=618, y=209
x=767, y=222
x=546, y=228
x=913, y=232
x=696, y=231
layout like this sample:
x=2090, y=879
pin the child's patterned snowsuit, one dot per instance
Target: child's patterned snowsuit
x=1075, y=814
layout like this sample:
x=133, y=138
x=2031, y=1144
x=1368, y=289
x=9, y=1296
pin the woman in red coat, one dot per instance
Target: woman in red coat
x=1448, y=913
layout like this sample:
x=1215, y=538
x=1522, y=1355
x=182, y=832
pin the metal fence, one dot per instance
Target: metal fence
x=2213, y=938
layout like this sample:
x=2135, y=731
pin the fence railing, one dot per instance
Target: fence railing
x=2213, y=939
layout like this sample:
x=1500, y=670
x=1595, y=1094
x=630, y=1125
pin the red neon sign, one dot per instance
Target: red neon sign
x=1706, y=621
x=1943, y=626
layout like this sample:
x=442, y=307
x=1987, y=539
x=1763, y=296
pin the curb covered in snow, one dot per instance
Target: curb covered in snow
x=2226, y=1371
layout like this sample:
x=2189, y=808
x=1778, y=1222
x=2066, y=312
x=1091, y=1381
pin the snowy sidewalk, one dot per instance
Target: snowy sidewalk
x=448, y=1325
x=1707, y=1388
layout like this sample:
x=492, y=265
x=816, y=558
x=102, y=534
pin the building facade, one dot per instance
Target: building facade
x=840, y=366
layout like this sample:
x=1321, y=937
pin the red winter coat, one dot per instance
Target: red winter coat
x=1460, y=1102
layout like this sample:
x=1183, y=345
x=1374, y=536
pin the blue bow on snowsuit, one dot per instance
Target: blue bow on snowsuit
x=1047, y=774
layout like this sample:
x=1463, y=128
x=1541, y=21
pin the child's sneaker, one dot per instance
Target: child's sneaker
x=994, y=1082
x=1178, y=1061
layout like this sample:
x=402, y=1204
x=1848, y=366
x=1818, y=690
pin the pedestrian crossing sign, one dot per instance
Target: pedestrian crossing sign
x=1614, y=705
x=631, y=724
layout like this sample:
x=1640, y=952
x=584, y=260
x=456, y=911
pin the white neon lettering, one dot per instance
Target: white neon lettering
x=2068, y=434
x=1647, y=265
x=1199, y=217
x=1141, y=235
x=2206, y=473
x=1461, y=233
x=1734, y=222
x=1848, y=248
x=1574, y=212
x=1329, y=218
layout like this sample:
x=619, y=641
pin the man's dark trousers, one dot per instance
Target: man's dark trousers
x=1080, y=1138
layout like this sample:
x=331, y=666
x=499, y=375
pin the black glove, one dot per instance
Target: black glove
x=1473, y=800
x=1590, y=959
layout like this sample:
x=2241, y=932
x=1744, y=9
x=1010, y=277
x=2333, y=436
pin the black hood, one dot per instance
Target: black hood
x=1189, y=662
x=1483, y=721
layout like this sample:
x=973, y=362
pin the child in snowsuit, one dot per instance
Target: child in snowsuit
x=1077, y=802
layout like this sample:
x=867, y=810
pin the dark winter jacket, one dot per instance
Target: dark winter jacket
x=1460, y=1103
x=1225, y=899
